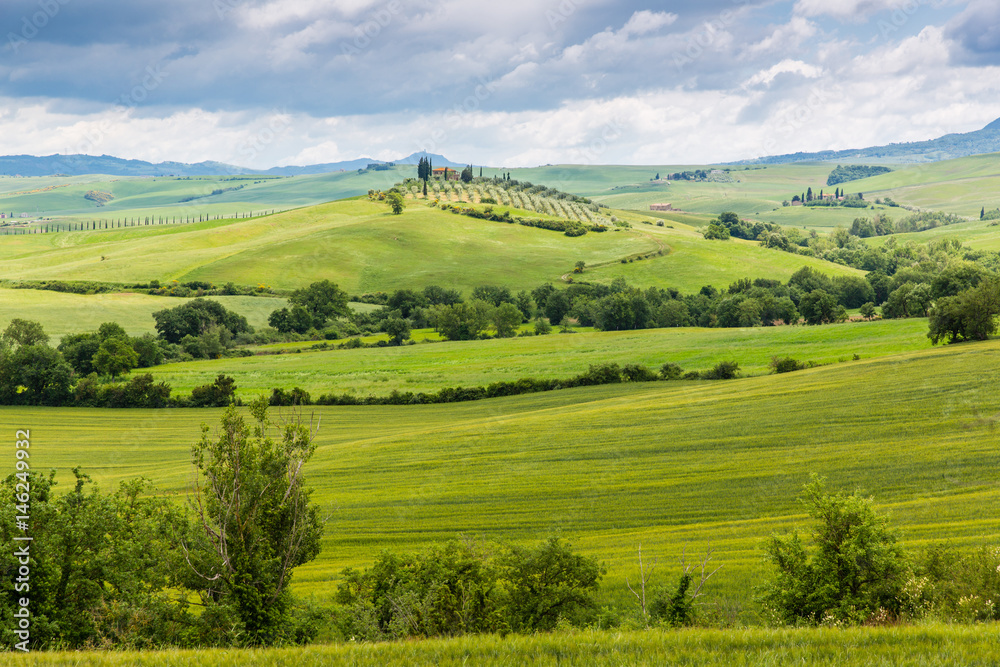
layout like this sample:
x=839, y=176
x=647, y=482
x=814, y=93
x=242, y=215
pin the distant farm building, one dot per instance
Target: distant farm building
x=661, y=207
x=439, y=172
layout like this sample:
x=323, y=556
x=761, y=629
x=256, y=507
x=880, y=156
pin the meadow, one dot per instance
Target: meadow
x=934, y=644
x=668, y=465
x=676, y=467
x=430, y=367
x=363, y=248
x=62, y=313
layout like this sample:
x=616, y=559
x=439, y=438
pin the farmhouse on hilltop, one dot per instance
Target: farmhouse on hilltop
x=441, y=171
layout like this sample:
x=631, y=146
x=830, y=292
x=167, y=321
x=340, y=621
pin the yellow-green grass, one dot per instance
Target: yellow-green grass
x=690, y=261
x=933, y=644
x=163, y=196
x=962, y=186
x=430, y=367
x=363, y=248
x=977, y=234
x=356, y=243
x=661, y=464
x=63, y=313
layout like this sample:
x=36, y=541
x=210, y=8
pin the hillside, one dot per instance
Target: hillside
x=950, y=146
x=662, y=464
x=363, y=248
x=80, y=165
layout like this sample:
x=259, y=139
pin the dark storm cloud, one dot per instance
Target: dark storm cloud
x=977, y=32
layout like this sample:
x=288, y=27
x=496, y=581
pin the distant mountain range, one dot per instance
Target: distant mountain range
x=948, y=147
x=79, y=165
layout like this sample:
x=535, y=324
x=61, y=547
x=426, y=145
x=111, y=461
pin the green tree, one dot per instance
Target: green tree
x=716, y=231
x=195, y=317
x=101, y=566
x=867, y=310
x=396, y=202
x=506, y=319
x=820, y=307
x=971, y=315
x=115, y=356
x=467, y=175
x=24, y=333
x=398, y=329
x=557, y=305
x=253, y=505
x=855, y=569
x=34, y=375
x=547, y=583
x=462, y=321
x=322, y=300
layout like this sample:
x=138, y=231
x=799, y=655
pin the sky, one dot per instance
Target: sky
x=262, y=83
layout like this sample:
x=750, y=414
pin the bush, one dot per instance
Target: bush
x=785, y=365
x=637, y=373
x=464, y=588
x=724, y=370
x=856, y=571
x=671, y=371
x=219, y=394
x=600, y=374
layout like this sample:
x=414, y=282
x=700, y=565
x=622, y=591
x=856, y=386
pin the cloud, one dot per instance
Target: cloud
x=976, y=31
x=848, y=10
x=289, y=81
x=766, y=77
x=645, y=21
x=784, y=37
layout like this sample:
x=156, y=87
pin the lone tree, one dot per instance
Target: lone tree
x=395, y=201
x=253, y=506
x=321, y=300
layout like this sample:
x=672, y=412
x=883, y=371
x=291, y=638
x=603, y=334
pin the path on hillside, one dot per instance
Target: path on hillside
x=660, y=247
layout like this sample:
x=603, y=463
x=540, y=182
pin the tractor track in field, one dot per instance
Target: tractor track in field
x=660, y=247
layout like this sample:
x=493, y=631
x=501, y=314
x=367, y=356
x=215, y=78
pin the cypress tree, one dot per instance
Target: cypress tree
x=982, y=214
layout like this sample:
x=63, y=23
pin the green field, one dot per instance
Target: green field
x=661, y=464
x=363, y=248
x=856, y=647
x=430, y=367
x=63, y=313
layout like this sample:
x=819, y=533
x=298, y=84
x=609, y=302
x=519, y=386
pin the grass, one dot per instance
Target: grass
x=429, y=367
x=661, y=464
x=357, y=244
x=363, y=248
x=63, y=313
x=924, y=645
x=690, y=262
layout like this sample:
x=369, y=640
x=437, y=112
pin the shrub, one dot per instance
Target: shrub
x=637, y=373
x=671, y=371
x=785, y=364
x=855, y=571
x=724, y=370
x=219, y=394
